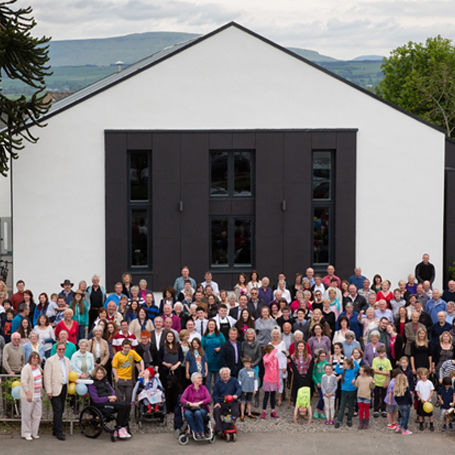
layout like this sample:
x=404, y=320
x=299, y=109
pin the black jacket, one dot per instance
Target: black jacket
x=227, y=357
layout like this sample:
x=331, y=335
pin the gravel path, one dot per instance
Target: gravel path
x=285, y=423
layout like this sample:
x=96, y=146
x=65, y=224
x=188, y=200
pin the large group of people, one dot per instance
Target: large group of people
x=354, y=343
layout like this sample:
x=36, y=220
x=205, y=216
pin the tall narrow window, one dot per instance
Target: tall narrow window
x=323, y=207
x=231, y=241
x=139, y=209
x=231, y=173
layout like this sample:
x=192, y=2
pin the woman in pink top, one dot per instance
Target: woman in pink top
x=271, y=382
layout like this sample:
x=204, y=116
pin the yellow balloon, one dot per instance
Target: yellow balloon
x=73, y=376
x=15, y=384
x=427, y=407
x=72, y=388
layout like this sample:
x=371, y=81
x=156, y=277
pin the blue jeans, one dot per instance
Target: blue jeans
x=81, y=333
x=196, y=419
x=208, y=380
x=405, y=410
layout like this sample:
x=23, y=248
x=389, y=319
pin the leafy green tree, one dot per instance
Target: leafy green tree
x=421, y=79
x=22, y=57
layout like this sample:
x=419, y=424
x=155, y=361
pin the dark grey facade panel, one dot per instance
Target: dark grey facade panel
x=182, y=207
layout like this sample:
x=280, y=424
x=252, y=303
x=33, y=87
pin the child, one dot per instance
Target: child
x=391, y=403
x=271, y=382
x=364, y=384
x=404, y=367
x=318, y=370
x=329, y=385
x=150, y=391
x=302, y=404
x=446, y=397
x=248, y=379
x=348, y=372
x=357, y=355
x=403, y=398
x=381, y=367
x=397, y=302
x=424, y=391
x=8, y=324
x=196, y=360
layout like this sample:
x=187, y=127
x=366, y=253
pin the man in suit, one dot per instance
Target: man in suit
x=231, y=353
x=158, y=336
x=255, y=304
x=56, y=371
x=236, y=311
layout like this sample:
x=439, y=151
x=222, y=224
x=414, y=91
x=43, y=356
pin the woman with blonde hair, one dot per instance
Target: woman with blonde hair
x=420, y=351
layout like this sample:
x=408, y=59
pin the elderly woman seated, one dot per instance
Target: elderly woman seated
x=82, y=361
x=103, y=397
x=196, y=400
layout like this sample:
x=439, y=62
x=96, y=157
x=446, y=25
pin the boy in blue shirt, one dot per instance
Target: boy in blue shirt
x=446, y=397
x=249, y=382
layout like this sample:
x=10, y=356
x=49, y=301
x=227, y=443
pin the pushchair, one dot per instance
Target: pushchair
x=157, y=402
x=183, y=431
x=229, y=422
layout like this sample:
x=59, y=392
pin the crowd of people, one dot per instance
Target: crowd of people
x=353, y=343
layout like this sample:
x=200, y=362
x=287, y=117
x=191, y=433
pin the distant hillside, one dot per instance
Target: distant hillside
x=107, y=51
x=312, y=55
x=368, y=57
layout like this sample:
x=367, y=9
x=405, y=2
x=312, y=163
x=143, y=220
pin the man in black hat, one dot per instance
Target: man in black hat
x=67, y=291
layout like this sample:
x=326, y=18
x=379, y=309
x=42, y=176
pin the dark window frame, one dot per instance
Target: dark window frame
x=231, y=175
x=145, y=204
x=231, y=266
x=321, y=203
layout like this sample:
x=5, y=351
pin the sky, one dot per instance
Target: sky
x=341, y=29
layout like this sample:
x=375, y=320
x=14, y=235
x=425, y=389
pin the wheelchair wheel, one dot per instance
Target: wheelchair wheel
x=183, y=439
x=234, y=437
x=91, y=422
x=213, y=438
x=228, y=437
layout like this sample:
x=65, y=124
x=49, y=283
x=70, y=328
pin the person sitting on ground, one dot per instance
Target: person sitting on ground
x=103, y=396
x=302, y=404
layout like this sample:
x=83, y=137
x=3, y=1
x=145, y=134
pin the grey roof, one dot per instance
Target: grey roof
x=147, y=62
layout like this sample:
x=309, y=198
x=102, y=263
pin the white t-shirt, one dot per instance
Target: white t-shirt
x=424, y=388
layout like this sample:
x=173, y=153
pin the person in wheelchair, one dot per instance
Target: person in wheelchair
x=103, y=397
x=224, y=386
x=149, y=392
x=196, y=400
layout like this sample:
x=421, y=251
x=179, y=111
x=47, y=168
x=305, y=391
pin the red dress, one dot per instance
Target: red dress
x=72, y=332
x=380, y=296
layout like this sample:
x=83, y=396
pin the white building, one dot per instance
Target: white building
x=206, y=154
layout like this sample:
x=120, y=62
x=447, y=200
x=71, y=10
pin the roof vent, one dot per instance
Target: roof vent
x=119, y=65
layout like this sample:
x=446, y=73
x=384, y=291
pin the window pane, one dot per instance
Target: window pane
x=139, y=176
x=219, y=174
x=322, y=174
x=242, y=173
x=220, y=235
x=139, y=237
x=321, y=235
x=242, y=241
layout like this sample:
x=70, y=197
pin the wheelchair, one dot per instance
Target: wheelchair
x=93, y=421
x=141, y=416
x=184, y=433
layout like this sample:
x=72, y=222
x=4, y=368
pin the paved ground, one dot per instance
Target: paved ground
x=253, y=443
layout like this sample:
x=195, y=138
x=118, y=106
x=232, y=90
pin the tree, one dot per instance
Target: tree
x=22, y=57
x=421, y=79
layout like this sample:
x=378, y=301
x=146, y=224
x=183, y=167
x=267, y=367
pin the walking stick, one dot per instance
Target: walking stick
x=290, y=391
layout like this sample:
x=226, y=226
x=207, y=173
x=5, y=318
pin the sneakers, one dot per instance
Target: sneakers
x=421, y=427
x=123, y=434
x=274, y=415
x=327, y=422
x=450, y=426
x=349, y=424
x=28, y=438
x=321, y=415
x=406, y=432
x=35, y=437
x=384, y=414
x=264, y=415
x=242, y=418
x=332, y=422
x=431, y=427
x=444, y=428
x=251, y=417
x=397, y=429
x=376, y=415
x=337, y=425
x=315, y=415
x=392, y=426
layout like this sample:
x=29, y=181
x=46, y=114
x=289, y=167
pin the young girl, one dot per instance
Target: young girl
x=364, y=384
x=271, y=382
x=337, y=357
x=390, y=400
x=196, y=361
x=150, y=391
x=318, y=370
x=302, y=404
x=424, y=391
x=329, y=386
x=404, y=400
x=348, y=372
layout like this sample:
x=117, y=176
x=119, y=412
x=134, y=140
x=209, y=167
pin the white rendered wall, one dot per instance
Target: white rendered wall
x=5, y=196
x=230, y=81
